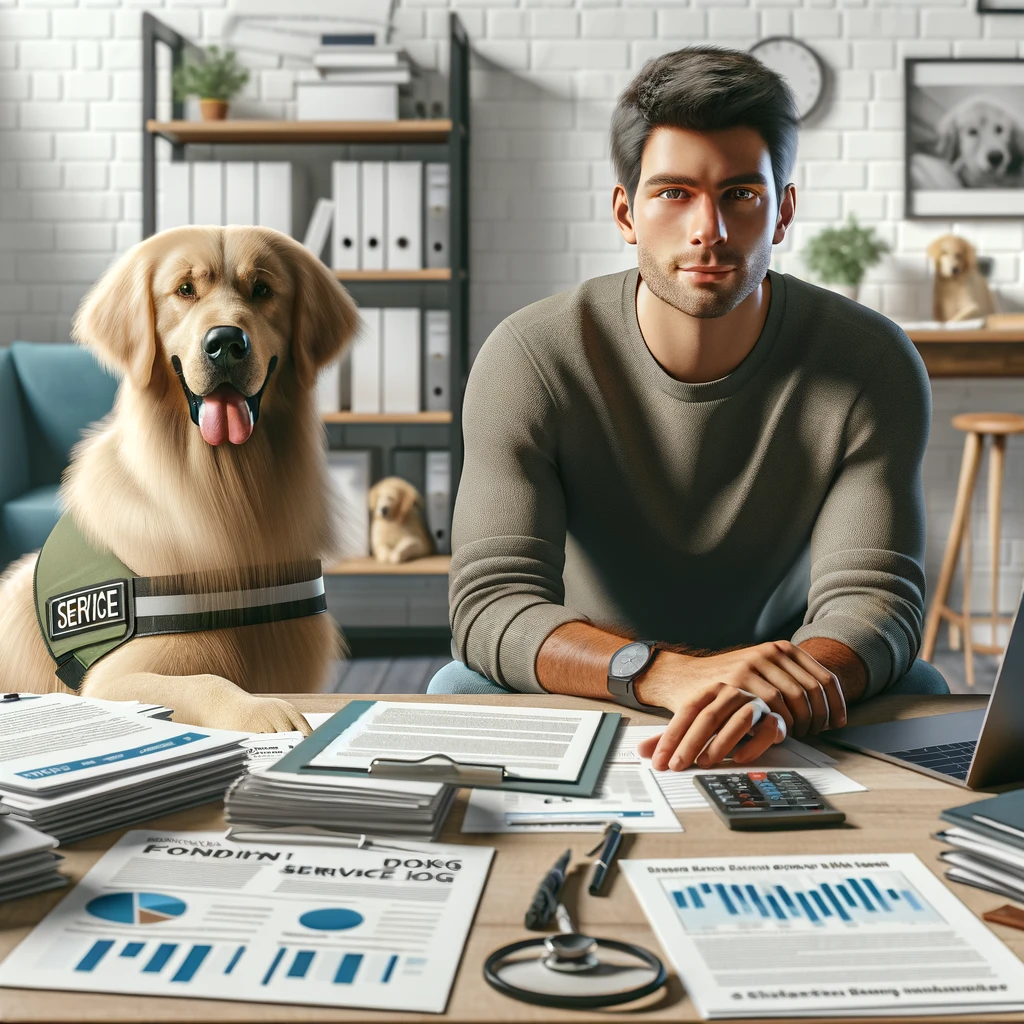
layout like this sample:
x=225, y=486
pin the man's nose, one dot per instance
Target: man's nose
x=707, y=227
x=225, y=346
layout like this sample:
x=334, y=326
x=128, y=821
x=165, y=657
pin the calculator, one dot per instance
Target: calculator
x=767, y=800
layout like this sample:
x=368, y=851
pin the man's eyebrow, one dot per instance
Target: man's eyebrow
x=749, y=178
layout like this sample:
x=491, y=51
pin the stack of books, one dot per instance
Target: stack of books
x=352, y=81
x=74, y=766
x=27, y=861
x=987, y=837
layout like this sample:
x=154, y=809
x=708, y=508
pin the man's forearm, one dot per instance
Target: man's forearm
x=843, y=661
x=574, y=659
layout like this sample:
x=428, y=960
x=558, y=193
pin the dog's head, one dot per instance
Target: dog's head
x=952, y=256
x=983, y=139
x=393, y=499
x=209, y=314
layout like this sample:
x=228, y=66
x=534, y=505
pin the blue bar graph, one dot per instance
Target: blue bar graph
x=347, y=969
x=96, y=953
x=234, y=960
x=389, y=970
x=133, y=949
x=159, y=959
x=303, y=958
x=273, y=966
x=191, y=963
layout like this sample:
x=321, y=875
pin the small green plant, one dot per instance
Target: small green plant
x=219, y=77
x=842, y=255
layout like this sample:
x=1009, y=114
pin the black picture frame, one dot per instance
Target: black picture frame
x=980, y=202
x=984, y=8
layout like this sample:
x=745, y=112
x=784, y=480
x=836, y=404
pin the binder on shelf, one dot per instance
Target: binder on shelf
x=437, y=196
x=175, y=207
x=404, y=215
x=350, y=476
x=346, y=378
x=274, y=195
x=328, y=387
x=207, y=192
x=409, y=464
x=345, y=101
x=437, y=375
x=400, y=348
x=345, y=236
x=240, y=192
x=372, y=239
x=366, y=362
x=439, y=499
x=319, y=226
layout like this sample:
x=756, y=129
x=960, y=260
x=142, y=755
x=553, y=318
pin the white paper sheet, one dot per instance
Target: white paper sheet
x=193, y=914
x=628, y=794
x=874, y=934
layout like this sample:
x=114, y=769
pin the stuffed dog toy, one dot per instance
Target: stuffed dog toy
x=960, y=291
x=397, y=533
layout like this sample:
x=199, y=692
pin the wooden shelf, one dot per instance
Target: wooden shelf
x=432, y=565
x=978, y=353
x=384, y=418
x=945, y=334
x=410, y=130
x=396, y=276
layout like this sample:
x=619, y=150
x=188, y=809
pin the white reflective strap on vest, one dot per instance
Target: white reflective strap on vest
x=225, y=600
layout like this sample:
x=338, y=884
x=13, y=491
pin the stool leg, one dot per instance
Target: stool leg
x=968, y=628
x=964, y=490
x=997, y=461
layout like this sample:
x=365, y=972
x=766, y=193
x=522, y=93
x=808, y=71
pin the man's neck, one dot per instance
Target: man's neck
x=695, y=350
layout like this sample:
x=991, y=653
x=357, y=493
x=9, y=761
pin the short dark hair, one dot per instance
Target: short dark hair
x=704, y=89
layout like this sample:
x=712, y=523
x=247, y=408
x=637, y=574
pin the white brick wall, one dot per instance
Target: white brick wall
x=545, y=80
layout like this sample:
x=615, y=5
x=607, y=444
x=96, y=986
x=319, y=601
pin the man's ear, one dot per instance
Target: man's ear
x=324, y=317
x=116, y=319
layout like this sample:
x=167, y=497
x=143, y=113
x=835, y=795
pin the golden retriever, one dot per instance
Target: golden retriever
x=233, y=322
x=960, y=290
x=983, y=143
x=397, y=532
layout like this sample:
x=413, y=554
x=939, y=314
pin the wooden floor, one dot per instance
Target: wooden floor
x=385, y=675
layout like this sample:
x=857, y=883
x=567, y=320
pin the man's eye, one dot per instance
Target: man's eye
x=260, y=290
x=744, y=193
x=186, y=289
x=672, y=193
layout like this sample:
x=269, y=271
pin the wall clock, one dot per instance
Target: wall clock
x=799, y=65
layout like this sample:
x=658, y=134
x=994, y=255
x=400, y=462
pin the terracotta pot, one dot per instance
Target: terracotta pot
x=213, y=110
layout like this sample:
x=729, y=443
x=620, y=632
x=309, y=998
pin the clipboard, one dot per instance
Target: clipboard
x=440, y=768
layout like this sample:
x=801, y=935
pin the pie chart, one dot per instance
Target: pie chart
x=136, y=907
x=331, y=919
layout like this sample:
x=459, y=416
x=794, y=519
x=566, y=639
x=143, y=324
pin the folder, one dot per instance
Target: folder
x=439, y=499
x=410, y=465
x=372, y=239
x=437, y=204
x=400, y=348
x=365, y=363
x=437, y=376
x=349, y=472
x=175, y=208
x=240, y=192
x=345, y=236
x=404, y=215
x=274, y=196
x=207, y=192
x=319, y=226
x=328, y=387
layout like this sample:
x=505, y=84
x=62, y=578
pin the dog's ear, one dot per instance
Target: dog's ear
x=410, y=499
x=970, y=254
x=324, y=317
x=947, y=145
x=935, y=249
x=116, y=319
x=1016, y=164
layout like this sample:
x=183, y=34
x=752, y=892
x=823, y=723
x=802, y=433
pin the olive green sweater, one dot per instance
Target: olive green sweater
x=783, y=501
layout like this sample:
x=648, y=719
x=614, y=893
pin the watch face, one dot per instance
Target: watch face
x=630, y=659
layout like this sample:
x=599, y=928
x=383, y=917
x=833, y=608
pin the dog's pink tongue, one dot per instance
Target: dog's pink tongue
x=225, y=417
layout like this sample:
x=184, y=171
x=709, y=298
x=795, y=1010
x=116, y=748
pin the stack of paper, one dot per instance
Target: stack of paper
x=75, y=766
x=352, y=83
x=27, y=864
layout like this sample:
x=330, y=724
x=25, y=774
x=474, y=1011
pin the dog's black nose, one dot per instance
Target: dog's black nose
x=226, y=346
x=995, y=158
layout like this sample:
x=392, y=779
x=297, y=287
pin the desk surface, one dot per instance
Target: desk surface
x=896, y=815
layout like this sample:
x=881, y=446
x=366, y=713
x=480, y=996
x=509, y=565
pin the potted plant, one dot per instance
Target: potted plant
x=841, y=256
x=214, y=80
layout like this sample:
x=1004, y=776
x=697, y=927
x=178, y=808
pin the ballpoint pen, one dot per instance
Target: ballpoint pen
x=546, y=898
x=612, y=838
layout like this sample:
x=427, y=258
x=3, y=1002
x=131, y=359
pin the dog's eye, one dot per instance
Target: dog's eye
x=999, y=129
x=260, y=290
x=972, y=131
x=186, y=289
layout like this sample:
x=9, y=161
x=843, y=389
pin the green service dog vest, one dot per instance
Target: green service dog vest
x=88, y=602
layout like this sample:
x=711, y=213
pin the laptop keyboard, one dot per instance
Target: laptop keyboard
x=953, y=759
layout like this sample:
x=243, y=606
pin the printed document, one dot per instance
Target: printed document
x=628, y=795
x=839, y=935
x=193, y=914
x=532, y=743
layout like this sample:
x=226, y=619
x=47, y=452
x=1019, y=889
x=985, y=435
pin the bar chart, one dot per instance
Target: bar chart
x=813, y=900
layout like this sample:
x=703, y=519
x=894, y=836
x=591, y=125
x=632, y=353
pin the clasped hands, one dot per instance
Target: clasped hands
x=717, y=701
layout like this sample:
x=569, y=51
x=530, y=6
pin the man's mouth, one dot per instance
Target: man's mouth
x=225, y=414
x=707, y=271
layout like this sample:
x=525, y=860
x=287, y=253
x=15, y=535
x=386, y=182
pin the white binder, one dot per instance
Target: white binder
x=207, y=192
x=437, y=375
x=372, y=239
x=274, y=196
x=404, y=215
x=240, y=192
x=439, y=499
x=328, y=387
x=350, y=477
x=401, y=346
x=319, y=226
x=175, y=208
x=345, y=236
x=365, y=363
x=437, y=204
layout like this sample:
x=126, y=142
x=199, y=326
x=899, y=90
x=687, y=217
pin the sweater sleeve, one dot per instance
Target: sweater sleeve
x=508, y=533
x=867, y=545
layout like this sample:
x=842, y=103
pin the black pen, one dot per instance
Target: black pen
x=546, y=898
x=612, y=838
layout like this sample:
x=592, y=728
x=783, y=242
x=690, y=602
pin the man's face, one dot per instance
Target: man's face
x=704, y=217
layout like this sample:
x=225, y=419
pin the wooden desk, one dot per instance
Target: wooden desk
x=978, y=353
x=897, y=815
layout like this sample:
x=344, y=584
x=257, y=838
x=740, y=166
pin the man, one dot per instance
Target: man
x=699, y=452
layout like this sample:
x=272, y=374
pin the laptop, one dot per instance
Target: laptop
x=969, y=748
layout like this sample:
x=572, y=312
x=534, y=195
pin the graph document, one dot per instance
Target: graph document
x=193, y=914
x=795, y=936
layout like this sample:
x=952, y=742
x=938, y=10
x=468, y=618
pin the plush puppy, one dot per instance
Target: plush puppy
x=961, y=293
x=397, y=532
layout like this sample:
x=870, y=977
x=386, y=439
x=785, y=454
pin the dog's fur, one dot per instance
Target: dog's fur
x=397, y=533
x=983, y=144
x=960, y=291
x=145, y=484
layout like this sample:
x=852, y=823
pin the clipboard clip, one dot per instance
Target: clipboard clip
x=438, y=768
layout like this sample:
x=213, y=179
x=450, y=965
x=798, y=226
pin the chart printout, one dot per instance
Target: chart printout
x=193, y=914
x=831, y=936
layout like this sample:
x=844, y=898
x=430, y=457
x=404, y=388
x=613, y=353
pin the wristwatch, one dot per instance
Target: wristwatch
x=627, y=665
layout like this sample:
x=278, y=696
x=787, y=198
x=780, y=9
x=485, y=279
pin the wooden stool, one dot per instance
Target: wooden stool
x=976, y=425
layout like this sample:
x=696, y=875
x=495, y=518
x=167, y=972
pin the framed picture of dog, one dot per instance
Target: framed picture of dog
x=964, y=137
x=1000, y=7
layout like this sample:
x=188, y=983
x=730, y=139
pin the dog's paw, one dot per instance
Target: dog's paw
x=251, y=713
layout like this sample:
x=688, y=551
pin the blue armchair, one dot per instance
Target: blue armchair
x=48, y=395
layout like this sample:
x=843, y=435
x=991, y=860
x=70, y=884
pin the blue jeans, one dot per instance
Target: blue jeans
x=923, y=678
